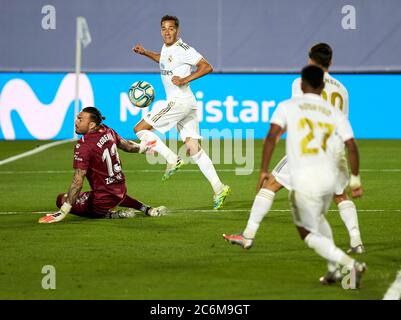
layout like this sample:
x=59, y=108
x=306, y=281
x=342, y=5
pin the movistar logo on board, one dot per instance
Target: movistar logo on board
x=43, y=121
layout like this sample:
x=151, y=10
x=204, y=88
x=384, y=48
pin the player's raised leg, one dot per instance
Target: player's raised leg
x=279, y=178
x=144, y=133
x=205, y=164
x=260, y=207
x=163, y=118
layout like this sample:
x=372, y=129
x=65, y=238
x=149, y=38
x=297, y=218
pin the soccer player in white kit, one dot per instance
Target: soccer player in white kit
x=176, y=60
x=336, y=94
x=312, y=125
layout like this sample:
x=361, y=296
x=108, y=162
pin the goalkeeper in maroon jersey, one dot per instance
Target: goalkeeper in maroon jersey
x=96, y=158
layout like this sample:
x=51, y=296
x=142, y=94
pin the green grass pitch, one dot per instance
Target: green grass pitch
x=183, y=255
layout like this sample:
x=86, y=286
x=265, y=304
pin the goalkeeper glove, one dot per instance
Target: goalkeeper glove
x=57, y=216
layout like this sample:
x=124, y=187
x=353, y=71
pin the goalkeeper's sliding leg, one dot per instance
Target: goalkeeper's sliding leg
x=88, y=206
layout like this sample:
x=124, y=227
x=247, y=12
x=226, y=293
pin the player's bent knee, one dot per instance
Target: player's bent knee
x=138, y=127
x=60, y=199
x=272, y=184
x=303, y=233
x=338, y=198
x=142, y=125
x=192, y=146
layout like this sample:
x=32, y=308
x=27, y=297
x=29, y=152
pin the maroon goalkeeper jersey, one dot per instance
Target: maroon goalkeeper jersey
x=97, y=153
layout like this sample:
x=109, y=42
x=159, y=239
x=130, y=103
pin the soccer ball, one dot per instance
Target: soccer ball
x=141, y=94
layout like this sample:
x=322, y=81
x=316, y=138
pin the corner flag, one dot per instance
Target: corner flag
x=82, y=37
x=83, y=31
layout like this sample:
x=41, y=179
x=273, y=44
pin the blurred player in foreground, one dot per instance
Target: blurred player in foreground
x=96, y=158
x=311, y=124
x=176, y=60
x=336, y=94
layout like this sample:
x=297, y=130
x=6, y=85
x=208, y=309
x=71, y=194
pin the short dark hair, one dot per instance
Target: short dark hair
x=322, y=54
x=95, y=115
x=171, y=18
x=313, y=76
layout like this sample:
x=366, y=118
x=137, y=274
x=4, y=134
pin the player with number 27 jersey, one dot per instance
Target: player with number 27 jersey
x=311, y=122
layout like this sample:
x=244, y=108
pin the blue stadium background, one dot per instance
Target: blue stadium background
x=256, y=51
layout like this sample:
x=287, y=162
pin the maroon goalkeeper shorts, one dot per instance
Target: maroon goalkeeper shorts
x=90, y=204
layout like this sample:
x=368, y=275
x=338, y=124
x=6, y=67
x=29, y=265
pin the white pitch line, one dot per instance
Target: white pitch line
x=380, y=170
x=4, y=213
x=394, y=291
x=211, y=211
x=277, y=210
x=37, y=172
x=125, y=171
x=34, y=151
x=160, y=171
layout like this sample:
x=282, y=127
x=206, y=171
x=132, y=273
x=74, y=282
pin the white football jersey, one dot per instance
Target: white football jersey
x=334, y=92
x=311, y=122
x=177, y=60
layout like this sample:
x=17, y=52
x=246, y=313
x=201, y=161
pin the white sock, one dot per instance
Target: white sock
x=160, y=147
x=350, y=217
x=208, y=170
x=325, y=230
x=328, y=250
x=261, y=206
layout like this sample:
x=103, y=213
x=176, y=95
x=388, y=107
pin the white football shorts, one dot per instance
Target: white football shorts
x=309, y=211
x=282, y=174
x=177, y=113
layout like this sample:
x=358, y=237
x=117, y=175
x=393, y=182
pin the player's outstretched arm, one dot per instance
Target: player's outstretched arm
x=76, y=185
x=202, y=68
x=268, y=147
x=150, y=54
x=72, y=196
x=355, y=180
x=133, y=147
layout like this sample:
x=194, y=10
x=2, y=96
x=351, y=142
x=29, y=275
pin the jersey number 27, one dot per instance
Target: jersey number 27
x=327, y=131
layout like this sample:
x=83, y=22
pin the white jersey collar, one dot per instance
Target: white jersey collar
x=312, y=96
x=174, y=44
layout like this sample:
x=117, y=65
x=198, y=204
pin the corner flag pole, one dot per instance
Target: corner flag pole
x=77, y=72
x=82, y=36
